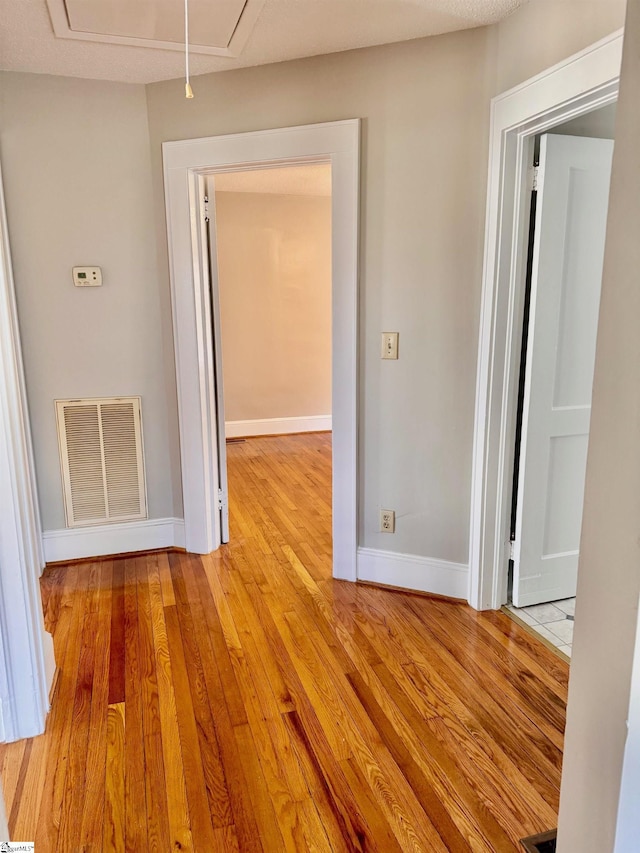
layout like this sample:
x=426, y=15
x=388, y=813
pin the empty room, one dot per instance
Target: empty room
x=269, y=252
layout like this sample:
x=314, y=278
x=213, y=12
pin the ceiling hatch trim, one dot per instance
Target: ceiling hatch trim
x=245, y=21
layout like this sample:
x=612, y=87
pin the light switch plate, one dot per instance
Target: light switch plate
x=87, y=276
x=390, y=345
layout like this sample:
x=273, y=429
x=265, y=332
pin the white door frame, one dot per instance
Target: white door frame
x=185, y=161
x=4, y=823
x=582, y=83
x=26, y=650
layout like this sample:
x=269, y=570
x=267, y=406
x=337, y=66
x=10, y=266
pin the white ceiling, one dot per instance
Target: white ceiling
x=292, y=180
x=285, y=29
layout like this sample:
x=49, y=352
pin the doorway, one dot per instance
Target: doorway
x=187, y=164
x=565, y=255
x=583, y=83
x=269, y=254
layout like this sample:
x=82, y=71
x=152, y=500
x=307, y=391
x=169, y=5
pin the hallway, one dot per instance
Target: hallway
x=246, y=701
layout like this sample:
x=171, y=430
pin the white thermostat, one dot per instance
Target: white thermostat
x=87, y=276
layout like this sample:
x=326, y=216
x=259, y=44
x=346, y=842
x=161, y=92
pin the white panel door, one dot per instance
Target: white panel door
x=571, y=215
x=214, y=289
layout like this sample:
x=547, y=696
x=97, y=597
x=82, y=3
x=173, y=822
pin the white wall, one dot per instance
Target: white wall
x=609, y=568
x=425, y=107
x=75, y=155
x=425, y=111
x=274, y=262
x=599, y=124
x=543, y=32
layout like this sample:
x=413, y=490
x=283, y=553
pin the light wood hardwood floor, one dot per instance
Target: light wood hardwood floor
x=245, y=701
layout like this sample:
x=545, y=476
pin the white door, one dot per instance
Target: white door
x=214, y=289
x=571, y=215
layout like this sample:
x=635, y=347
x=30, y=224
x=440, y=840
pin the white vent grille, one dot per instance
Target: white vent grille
x=102, y=460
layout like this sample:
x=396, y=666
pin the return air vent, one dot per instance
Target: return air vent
x=101, y=459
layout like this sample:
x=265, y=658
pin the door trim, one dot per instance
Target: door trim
x=27, y=663
x=184, y=161
x=582, y=83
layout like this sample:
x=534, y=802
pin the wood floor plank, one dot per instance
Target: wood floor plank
x=52, y=588
x=11, y=757
x=324, y=823
x=114, y=786
x=264, y=708
x=174, y=782
x=116, y=647
x=521, y=684
x=495, y=763
x=60, y=719
x=484, y=765
x=517, y=685
x=349, y=806
x=218, y=673
x=316, y=834
x=245, y=701
x=23, y=771
x=341, y=806
x=410, y=823
x=158, y=833
x=545, y=664
x=439, y=767
x=215, y=781
x=93, y=807
x=166, y=581
x=72, y=800
x=272, y=691
x=71, y=584
x=264, y=813
x=200, y=816
x=135, y=812
x=435, y=672
x=224, y=641
x=431, y=802
x=438, y=685
x=380, y=831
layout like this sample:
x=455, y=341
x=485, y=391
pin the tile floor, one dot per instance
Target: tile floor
x=553, y=621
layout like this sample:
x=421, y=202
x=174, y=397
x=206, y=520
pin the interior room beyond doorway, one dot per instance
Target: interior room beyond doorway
x=273, y=254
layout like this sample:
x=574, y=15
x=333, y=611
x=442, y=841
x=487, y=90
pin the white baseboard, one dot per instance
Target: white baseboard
x=277, y=426
x=411, y=572
x=79, y=542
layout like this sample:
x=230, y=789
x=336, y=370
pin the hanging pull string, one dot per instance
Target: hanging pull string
x=188, y=91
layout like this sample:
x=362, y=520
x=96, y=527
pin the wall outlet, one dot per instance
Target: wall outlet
x=390, y=345
x=387, y=521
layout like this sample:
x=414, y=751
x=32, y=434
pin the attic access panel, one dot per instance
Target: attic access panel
x=219, y=27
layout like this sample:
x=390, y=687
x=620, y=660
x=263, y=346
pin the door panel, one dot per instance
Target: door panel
x=571, y=214
x=217, y=362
